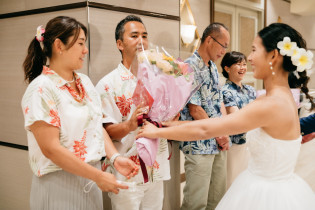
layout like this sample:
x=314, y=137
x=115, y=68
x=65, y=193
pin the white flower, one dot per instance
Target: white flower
x=141, y=56
x=286, y=46
x=295, y=51
x=303, y=60
x=154, y=56
x=164, y=65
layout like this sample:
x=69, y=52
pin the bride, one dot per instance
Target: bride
x=274, y=139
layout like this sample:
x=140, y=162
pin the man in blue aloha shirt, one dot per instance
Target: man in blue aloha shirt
x=205, y=160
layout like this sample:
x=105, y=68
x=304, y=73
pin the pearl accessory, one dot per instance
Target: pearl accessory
x=71, y=80
x=271, y=68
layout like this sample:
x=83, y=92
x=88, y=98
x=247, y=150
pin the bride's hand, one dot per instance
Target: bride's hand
x=148, y=130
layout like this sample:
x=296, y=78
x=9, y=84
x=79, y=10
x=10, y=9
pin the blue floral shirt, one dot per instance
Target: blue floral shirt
x=234, y=95
x=209, y=97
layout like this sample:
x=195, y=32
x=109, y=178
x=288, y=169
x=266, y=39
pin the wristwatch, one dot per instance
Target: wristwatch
x=113, y=158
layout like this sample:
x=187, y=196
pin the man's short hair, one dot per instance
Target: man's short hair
x=213, y=29
x=120, y=29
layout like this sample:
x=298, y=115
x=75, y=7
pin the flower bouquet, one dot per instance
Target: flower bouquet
x=165, y=84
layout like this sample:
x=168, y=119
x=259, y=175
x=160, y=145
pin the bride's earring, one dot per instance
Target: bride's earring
x=271, y=68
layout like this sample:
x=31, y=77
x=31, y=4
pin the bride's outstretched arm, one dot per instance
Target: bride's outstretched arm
x=256, y=114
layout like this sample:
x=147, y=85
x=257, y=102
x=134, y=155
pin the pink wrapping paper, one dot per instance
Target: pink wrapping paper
x=170, y=94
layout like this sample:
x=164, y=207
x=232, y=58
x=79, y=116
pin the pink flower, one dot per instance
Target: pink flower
x=39, y=33
x=135, y=159
x=156, y=165
x=47, y=70
x=55, y=118
x=26, y=110
x=184, y=67
x=124, y=104
x=106, y=88
x=79, y=147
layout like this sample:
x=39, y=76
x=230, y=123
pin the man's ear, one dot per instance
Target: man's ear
x=208, y=39
x=119, y=45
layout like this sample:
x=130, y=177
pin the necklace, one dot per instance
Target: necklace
x=70, y=81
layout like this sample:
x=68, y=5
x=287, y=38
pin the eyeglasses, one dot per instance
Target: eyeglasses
x=225, y=47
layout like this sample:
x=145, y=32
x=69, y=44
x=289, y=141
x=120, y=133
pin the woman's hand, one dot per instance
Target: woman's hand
x=107, y=182
x=126, y=167
x=223, y=142
x=148, y=130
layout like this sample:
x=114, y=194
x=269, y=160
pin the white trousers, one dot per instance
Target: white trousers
x=237, y=161
x=148, y=196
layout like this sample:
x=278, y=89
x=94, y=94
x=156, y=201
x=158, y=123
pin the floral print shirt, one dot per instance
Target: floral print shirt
x=116, y=90
x=234, y=95
x=209, y=97
x=51, y=99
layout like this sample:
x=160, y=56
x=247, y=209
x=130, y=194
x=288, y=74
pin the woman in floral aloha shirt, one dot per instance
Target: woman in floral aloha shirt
x=63, y=120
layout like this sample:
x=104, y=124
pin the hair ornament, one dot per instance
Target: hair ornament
x=39, y=33
x=301, y=58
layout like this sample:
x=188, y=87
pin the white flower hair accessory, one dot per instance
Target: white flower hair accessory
x=301, y=58
x=39, y=33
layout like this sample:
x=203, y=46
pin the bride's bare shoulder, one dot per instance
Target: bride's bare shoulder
x=275, y=103
x=270, y=103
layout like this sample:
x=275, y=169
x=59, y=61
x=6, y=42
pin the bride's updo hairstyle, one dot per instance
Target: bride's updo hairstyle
x=271, y=36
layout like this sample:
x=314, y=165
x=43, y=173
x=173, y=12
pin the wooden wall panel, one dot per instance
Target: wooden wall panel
x=14, y=43
x=16, y=178
x=247, y=34
x=16, y=34
x=104, y=54
x=8, y=6
x=170, y=7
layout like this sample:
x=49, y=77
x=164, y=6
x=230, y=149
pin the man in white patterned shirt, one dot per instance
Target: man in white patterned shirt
x=120, y=121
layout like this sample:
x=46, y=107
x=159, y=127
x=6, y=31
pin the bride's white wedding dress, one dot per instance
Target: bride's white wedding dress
x=269, y=182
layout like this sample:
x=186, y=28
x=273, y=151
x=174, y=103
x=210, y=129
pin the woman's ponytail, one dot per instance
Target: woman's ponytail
x=34, y=61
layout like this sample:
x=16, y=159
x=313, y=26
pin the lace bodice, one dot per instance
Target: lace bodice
x=272, y=158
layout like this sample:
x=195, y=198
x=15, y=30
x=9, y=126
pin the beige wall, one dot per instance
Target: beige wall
x=16, y=33
x=104, y=54
x=15, y=36
x=201, y=13
x=8, y=6
x=15, y=176
x=304, y=24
